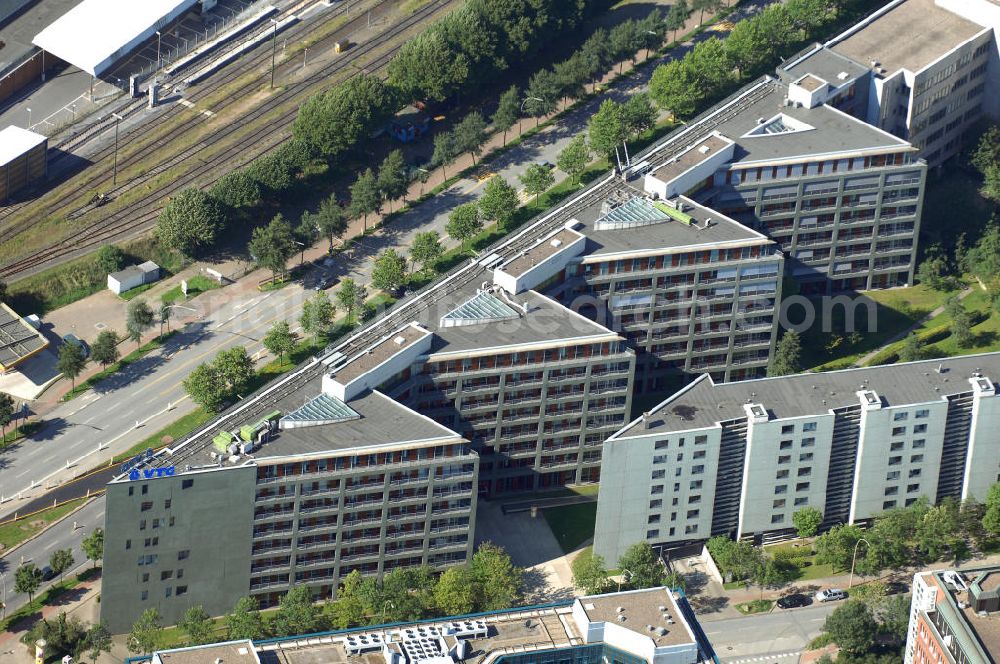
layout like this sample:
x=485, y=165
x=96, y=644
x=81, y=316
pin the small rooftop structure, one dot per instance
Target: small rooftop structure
x=379, y=362
x=321, y=409
x=19, y=340
x=97, y=33
x=483, y=307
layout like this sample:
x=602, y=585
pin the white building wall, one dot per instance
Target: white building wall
x=899, y=456
x=788, y=461
x=656, y=488
x=982, y=465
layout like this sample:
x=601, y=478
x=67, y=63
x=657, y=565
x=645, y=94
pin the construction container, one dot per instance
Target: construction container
x=23, y=160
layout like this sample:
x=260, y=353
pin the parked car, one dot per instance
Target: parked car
x=47, y=573
x=73, y=339
x=793, y=601
x=830, y=595
x=322, y=284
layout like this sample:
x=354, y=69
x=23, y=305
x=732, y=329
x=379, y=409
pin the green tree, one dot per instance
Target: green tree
x=638, y=114
x=644, y=569
x=27, y=579
x=807, y=521
x=499, y=202
x=701, y=6
x=787, y=358
x=392, y=180
x=317, y=315
x=336, y=121
x=351, y=296
x=97, y=640
x=237, y=189
x=607, y=129
x=389, y=271
x=235, y=369
x=836, y=546
x=60, y=561
x=105, y=348
x=590, y=573
x=61, y=635
x=676, y=87
x=165, y=313
x=852, y=627
x=426, y=248
x=991, y=517
x=147, y=633
x=572, y=76
x=912, y=349
x=93, y=545
x=365, y=195
x=280, y=340
x=71, y=360
x=348, y=610
x=894, y=617
x=139, y=317
x=206, y=388
x=677, y=16
x=330, y=220
x=575, y=157
x=498, y=579
x=456, y=593
x=987, y=151
x=939, y=533
x=596, y=55
x=983, y=259
x=110, y=258
x=245, y=621
x=536, y=179
x=271, y=246
x=198, y=626
x=508, y=111
x=542, y=94
x=296, y=613
x=961, y=322
x=748, y=47
x=444, y=150
x=470, y=134
x=933, y=270
x=191, y=222
x=464, y=223
x=426, y=67
x=271, y=172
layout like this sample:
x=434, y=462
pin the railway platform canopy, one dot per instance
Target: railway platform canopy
x=97, y=33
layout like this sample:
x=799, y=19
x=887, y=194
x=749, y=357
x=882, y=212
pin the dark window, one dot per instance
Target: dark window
x=187, y=484
x=166, y=504
x=146, y=506
x=181, y=590
x=183, y=554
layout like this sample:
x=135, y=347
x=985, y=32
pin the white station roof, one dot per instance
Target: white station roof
x=96, y=33
x=15, y=141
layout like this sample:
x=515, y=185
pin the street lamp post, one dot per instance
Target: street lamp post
x=114, y=177
x=854, y=559
x=159, y=38
x=29, y=118
x=274, y=46
x=3, y=604
x=302, y=245
x=385, y=606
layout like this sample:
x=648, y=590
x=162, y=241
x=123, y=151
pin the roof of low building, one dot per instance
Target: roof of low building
x=704, y=403
x=235, y=652
x=828, y=65
x=18, y=339
x=15, y=141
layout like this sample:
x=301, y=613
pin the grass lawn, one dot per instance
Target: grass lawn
x=756, y=606
x=133, y=293
x=196, y=285
x=572, y=524
x=12, y=534
x=837, y=348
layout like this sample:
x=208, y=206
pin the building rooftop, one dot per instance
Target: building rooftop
x=981, y=629
x=703, y=403
x=488, y=637
x=234, y=652
x=380, y=352
x=668, y=232
x=694, y=155
x=828, y=65
x=15, y=141
x=541, y=251
x=18, y=339
x=930, y=31
x=642, y=610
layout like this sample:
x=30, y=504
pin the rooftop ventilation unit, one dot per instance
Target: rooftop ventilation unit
x=399, y=341
x=556, y=242
x=843, y=76
x=704, y=149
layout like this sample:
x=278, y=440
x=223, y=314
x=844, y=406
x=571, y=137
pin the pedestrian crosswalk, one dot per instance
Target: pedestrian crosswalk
x=777, y=658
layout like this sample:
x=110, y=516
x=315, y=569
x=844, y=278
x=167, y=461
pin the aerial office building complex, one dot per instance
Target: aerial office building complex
x=653, y=626
x=509, y=373
x=954, y=617
x=740, y=459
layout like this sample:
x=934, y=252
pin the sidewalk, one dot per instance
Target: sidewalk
x=80, y=602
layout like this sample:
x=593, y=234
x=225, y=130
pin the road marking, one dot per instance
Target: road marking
x=479, y=184
x=764, y=658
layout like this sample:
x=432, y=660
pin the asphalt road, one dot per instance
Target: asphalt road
x=774, y=636
x=37, y=551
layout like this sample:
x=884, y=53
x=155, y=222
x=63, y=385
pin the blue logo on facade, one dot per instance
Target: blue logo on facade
x=150, y=473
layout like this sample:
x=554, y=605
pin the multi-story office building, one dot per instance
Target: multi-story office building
x=840, y=197
x=741, y=458
x=653, y=626
x=953, y=617
x=928, y=87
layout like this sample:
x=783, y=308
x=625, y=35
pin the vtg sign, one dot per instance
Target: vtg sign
x=150, y=473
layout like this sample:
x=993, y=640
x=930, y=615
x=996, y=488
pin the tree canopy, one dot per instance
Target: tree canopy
x=191, y=222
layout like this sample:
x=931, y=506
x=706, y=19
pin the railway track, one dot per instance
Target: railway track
x=136, y=220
